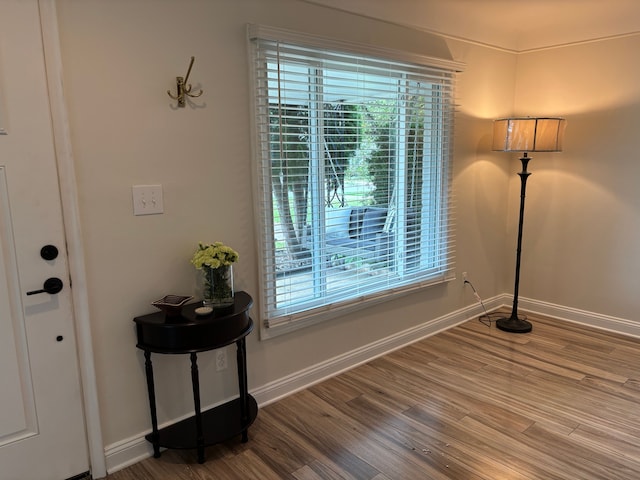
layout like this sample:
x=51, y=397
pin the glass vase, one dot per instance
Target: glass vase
x=217, y=286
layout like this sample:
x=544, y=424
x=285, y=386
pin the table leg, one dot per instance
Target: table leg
x=241, y=358
x=195, y=381
x=148, y=366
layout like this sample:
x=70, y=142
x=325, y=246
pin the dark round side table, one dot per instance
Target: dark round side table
x=190, y=334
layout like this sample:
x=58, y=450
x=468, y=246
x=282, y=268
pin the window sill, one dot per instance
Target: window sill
x=331, y=312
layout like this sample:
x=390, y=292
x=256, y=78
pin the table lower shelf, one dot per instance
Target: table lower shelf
x=218, y=424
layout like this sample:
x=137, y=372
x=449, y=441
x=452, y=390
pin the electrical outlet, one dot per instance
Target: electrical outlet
x=464, y=276
x=221, y=359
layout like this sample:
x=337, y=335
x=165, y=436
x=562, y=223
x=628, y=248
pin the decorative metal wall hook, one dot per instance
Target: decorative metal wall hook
x=183, y=88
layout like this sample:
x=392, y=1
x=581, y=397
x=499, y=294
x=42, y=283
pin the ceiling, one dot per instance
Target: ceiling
x=516, y=25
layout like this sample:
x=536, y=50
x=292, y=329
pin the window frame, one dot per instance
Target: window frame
x=264, y=216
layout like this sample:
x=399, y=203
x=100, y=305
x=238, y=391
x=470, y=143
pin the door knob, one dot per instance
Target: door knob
x=49, y=252
x=51, y=286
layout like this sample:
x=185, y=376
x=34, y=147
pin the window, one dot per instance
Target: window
x=353, y=175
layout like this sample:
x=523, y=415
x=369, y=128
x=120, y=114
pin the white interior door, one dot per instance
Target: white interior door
x=42, y=430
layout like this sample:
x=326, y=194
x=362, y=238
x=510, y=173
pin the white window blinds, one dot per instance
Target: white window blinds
x=353, y=175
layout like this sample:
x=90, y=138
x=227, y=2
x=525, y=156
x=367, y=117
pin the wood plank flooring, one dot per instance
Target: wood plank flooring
x=562, y=402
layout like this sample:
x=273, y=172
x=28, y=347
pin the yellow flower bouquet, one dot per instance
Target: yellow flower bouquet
x=213, y=255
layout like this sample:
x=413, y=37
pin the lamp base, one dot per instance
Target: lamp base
x=514, y=325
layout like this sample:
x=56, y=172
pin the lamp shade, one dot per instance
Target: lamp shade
x=528, y=134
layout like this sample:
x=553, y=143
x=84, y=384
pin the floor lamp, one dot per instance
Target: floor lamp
x=524, y=134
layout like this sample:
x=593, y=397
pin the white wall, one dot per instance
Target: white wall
x=582, y=227
x=119, y=58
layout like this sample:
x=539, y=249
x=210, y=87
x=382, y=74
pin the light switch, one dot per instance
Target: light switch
x=147, y=199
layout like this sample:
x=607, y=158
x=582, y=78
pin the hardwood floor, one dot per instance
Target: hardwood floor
x=473, y=402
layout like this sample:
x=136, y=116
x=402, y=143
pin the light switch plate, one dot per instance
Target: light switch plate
x=147, y=199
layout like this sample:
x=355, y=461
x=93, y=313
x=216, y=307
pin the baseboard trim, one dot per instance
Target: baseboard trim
x=581, y=317
x=127, y=452
x=305, y=378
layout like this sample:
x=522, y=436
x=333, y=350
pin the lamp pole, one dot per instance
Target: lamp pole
x=513, y=323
